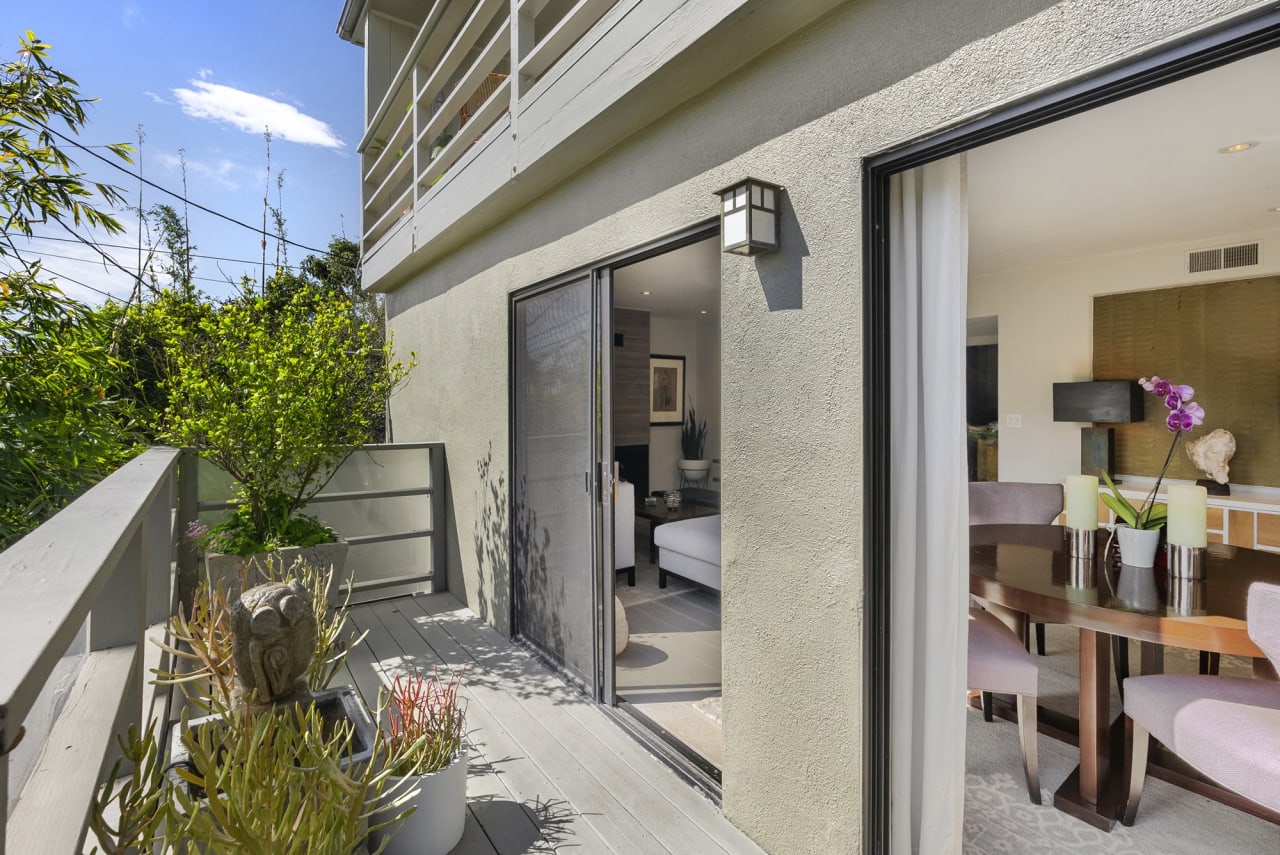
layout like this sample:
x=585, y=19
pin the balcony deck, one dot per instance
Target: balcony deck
x=548, y=767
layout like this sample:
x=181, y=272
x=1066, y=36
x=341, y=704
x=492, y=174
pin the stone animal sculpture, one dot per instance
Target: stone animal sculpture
x=1212, y=452
x=273, y=639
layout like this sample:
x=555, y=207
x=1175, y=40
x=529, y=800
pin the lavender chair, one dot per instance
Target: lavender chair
x=1227, y=728
x=999, y=663
x=1015, y=502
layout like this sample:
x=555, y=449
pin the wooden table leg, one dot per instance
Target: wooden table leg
x=1090, y=793
x=1152, y=658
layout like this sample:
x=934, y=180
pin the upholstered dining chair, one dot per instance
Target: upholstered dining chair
x=1226, y=727
x=1015, y=502
x=999, y=663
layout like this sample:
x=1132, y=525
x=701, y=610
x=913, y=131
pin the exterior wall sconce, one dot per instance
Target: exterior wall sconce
x=750, y=220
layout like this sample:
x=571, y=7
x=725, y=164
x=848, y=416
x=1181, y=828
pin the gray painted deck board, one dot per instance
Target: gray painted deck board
x=549, y=770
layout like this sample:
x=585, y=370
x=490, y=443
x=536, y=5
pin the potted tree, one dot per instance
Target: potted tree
x=276, y=392
x=693, y=442
x=427, y=760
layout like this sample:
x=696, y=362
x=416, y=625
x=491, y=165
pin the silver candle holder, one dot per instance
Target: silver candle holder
x=1186, y=596
x=1185, y=562
x=1082, y=542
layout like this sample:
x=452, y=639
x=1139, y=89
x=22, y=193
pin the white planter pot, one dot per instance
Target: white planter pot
x=1138, y=546
x=325, y=555
x=437, y=823
x=697, y=468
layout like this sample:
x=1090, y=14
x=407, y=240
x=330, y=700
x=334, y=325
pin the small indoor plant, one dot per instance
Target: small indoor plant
x=1139, y=528
x=425, y=719
x=693, y=443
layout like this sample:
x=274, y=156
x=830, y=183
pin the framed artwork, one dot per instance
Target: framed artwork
x=666, y=389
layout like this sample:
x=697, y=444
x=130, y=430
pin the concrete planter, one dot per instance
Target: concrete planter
x=439, y=816
x=227, y=567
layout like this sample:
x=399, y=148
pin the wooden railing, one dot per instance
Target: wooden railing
x=107, y=559
x=80, y=595
x=468, y=65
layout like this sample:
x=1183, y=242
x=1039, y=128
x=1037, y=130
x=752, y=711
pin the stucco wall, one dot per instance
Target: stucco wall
x=858, y=82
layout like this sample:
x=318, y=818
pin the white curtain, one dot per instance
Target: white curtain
x=928, y=481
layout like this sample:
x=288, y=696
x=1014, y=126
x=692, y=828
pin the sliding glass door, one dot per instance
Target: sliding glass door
x=558, y=527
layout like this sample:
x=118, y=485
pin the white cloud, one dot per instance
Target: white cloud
x=205, y=73
x=154, y=97
x=254, y=113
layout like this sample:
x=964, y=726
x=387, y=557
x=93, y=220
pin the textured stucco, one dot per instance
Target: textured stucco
x=861, y=80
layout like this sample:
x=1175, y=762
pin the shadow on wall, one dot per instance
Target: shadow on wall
x=492, y=601
x=782, y=273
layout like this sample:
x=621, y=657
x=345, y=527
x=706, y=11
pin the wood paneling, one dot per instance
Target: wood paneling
x=1223, y=339
x=1269, y=530
x=1240, y=531
x=631, y=377
x=1214, y=519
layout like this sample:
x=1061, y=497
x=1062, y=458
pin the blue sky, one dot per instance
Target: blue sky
x=207, y=78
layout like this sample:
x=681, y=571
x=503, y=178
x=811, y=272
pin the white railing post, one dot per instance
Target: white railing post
x=521, y=43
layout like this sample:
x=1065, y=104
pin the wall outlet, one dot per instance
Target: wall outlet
x=1013, y=420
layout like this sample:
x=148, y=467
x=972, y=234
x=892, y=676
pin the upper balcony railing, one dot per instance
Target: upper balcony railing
x=466, y=68
x=84, y=593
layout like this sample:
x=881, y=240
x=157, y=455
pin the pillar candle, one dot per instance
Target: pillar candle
x=1188, y=512
x=1082, y=501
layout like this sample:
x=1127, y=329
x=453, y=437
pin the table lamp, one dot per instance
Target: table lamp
x=1098, y=402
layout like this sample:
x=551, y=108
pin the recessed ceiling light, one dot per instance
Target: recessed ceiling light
x=1273, y=210
x=646, y=293
x=1237, y=148
x=702, y=311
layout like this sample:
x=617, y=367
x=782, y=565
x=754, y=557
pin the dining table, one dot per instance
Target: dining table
x=1028, y=570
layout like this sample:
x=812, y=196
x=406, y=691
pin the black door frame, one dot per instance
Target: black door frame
x=1236, y=39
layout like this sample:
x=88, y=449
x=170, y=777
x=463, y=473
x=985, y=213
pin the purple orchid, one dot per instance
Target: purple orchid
x=1183, y=416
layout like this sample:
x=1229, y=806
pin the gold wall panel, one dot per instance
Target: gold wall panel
x=1222, y=338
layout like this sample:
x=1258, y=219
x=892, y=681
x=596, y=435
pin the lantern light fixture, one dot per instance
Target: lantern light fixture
x=750, y=217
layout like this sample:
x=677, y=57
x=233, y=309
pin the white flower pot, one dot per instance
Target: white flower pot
x=695, y=468
x=437, y=823
x=1138, y=546
x=324, y=555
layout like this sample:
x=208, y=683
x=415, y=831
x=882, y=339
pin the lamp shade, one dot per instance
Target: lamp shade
x=750, y=217
x=1105, y=401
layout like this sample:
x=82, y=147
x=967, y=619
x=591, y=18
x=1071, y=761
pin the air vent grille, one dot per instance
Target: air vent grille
x=1244, y=255
x=1222, y=258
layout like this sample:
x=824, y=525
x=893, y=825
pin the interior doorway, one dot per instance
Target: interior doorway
x=666, y=395
x=613, y=368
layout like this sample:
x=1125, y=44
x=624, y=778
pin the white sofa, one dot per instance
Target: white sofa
x=690, y=548
x=624, y=531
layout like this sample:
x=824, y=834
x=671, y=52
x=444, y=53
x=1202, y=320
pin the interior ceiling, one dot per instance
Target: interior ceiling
x=682, y=283
x=1144, y=171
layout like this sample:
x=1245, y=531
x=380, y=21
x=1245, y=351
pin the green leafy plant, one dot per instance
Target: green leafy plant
x=277, y=394
x=425, y=721
x=693, y=435
x=1152, y=516
x=62, y=427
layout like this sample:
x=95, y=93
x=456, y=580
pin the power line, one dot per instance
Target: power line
x=156, y=249
x=58, y=275
x=263, y=232
x=131, y=275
